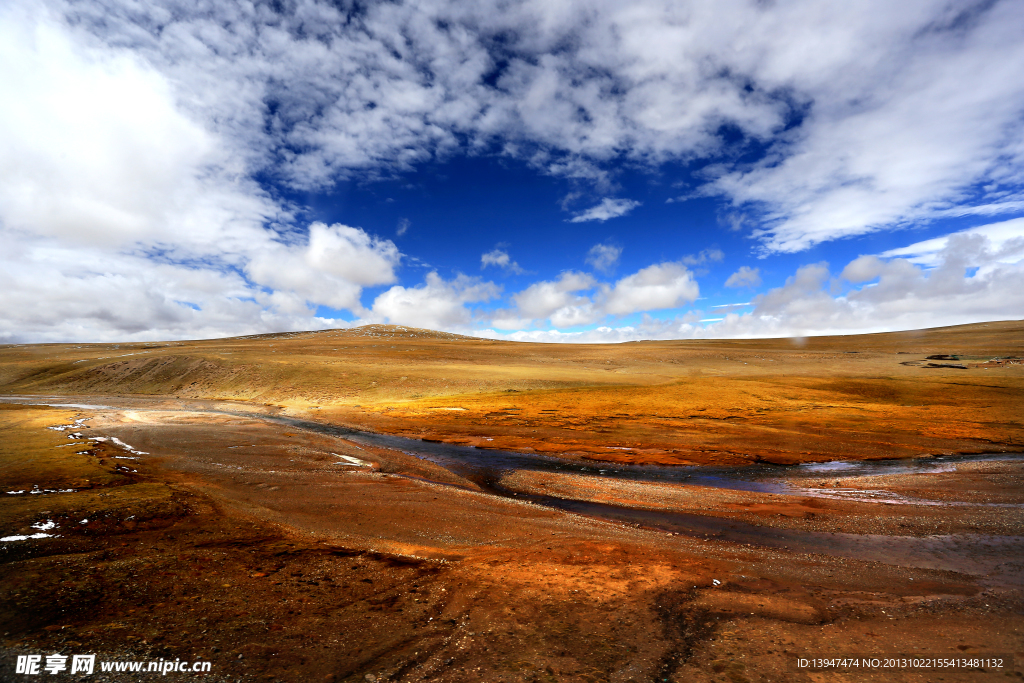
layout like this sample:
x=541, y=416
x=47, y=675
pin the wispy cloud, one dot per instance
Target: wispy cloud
x=1006, y=238
x=134, y=135
x=705, y=256
x=607, y=209
x=604, y=257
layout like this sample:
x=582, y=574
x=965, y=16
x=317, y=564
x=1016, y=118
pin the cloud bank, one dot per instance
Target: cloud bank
x=145, y=144
x=974, y=279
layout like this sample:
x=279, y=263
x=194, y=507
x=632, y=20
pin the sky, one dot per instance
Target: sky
x=542, y=170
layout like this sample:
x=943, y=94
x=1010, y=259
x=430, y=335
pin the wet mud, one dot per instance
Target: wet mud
x=284, y=548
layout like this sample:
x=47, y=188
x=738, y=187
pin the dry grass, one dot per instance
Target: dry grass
x=36, y=458
x=32, y=455
x=726, y=401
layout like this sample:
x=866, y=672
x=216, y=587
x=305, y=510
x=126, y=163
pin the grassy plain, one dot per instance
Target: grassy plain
x=672, y=402
x=283, y=553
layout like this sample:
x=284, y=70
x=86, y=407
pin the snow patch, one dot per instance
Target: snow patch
x=8, y=539
x=116, y=441
x=349, y=460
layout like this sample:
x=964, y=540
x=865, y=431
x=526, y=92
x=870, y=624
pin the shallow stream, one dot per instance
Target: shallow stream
x=995, y=557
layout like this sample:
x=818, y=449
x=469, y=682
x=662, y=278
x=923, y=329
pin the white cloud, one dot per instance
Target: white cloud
x=863, y=269
x=132, y=133
x=731, y=307
x=577, y=299
x=745, y=277
x=500, y=258
x=897, y=114
x=111, y=184
x=705, y=256
x=556, y=298
x=604, y=257
x=973, y=280
x=1006, y=238
x=608, y=208
x=97, y=152
x=437, y=304
x=908, y=109
x=333, y=266
x=664, y=285
x=54, y=293
x=403, y=226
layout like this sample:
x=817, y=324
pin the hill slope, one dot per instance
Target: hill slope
x=781, y=400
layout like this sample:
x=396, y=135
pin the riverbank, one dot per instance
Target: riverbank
x=259, y=546
x=714, y=402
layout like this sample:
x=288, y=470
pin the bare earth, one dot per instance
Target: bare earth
x=238, y=519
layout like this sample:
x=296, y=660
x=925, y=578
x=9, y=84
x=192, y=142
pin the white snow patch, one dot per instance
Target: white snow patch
x=349, y=460
x=7, y=539
x=36, y=490
x=118, y=442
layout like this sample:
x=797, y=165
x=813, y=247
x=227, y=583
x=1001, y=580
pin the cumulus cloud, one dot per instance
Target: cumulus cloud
x=436, y=304
x=664, y=285
x=132, y=134
x=403, y=226
x=906, y=296
x=608, y=208
x=604, y=257
x=577, y=299
x=557, y=299
x=54, y=293
x=745, y=277
x=500, y=258
x=863, y=269
x=96, y=150
x=973, y=280
x=331, y=268
x=110, y=183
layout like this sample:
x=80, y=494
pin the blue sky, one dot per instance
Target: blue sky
x=550, y=171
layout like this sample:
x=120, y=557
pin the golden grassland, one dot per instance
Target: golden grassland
x=276, y=562
x=36, y=462
x=718, y=401
x=31, y=454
